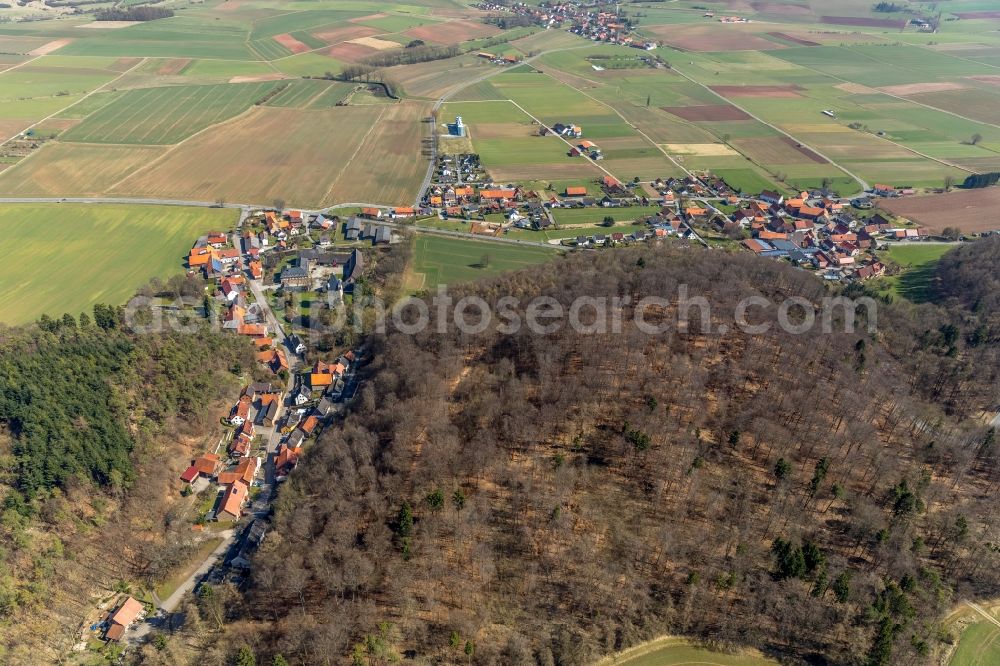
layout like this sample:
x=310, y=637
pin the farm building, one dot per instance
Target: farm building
x=457, y=128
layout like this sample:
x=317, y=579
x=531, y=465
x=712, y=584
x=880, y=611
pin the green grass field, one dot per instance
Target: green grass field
x=439, y=260
x=66, y=257
x=679, y=652
x=167, y=115
x=300, y=93
x=177, y=37
x=596, y=215
x=918, y=262
x=979, y=645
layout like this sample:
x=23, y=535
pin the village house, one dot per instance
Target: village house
x=285, y=461
x=244, y=472
x=205, y=465
x=119, y=621
x=352, y=229
x=268, y=412
x=296, y=278
x=231, y=504
x=353, y=269
x=239, y=445
x=240, y=412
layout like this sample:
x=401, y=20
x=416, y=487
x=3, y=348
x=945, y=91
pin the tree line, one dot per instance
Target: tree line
x=135, y=13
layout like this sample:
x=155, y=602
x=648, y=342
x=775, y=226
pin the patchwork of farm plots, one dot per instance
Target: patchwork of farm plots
x=745, y=101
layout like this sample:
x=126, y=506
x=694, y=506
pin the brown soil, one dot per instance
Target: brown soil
x=972, y=211
x=349, y=52
x=344, y=33
x=292, y=44
x=451, y=32
x=916, y=88
x=173, y=66
x=791, y=38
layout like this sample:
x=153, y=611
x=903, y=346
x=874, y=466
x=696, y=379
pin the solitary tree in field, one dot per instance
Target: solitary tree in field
x=609, y=221
x=976, y=138
x=484, y=261
x=949, y=182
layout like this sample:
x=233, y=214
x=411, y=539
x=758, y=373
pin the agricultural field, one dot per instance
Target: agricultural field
x=508, y=141
x=273, y=152
x=679, y=652
x=915, y=263
x=440, y=260
x=66, y=257
x=979, y=645
x=909, y=108
x=971, y=211
x=74, y=170
x=167, y=115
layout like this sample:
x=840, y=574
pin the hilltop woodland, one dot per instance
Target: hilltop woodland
x=547, y=499
x=94, y=421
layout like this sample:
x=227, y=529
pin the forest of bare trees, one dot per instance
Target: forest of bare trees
x=548, y=499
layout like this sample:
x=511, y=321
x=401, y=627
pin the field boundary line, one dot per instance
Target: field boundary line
x=882, y=92
x=315, y=97
x=624, y=120
x=562, y=138
x=69, y=106
x=347, y=163
x=20, y=64
x=980, y=611
x=172, y=147
x=858, y=179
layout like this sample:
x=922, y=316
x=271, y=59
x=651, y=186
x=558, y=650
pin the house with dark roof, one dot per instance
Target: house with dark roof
x=296, y=278
x=353, y=268
x=352, y=230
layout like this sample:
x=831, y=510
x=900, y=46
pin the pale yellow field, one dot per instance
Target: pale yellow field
x=375, y=43
x=699, y=149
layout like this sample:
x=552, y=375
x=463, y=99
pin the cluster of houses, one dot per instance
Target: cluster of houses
x=215, y=255
x=816, y=232
x=461, y=168
x=569, y=130
x=586, y=148
x=588, y=21
x=499, y=59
